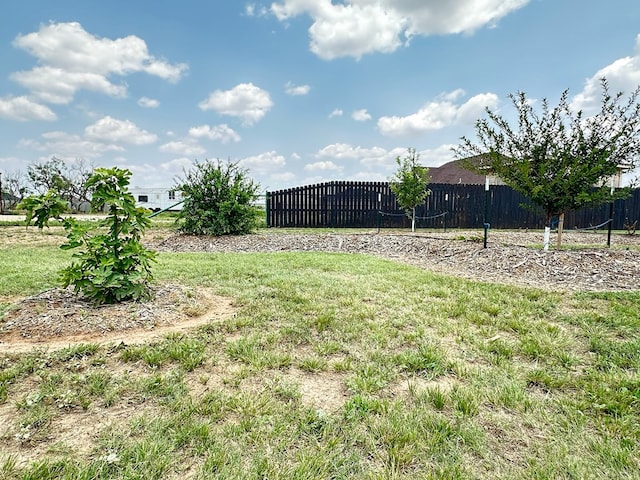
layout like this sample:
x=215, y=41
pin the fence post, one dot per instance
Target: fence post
x=610, y=221
x=486, y=209
x=266, y=208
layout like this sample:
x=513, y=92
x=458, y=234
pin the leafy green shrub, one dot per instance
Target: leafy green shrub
x=113, y=265
x=219, y=200
x=42, y=208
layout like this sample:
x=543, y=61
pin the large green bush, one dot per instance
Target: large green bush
x=219, y=200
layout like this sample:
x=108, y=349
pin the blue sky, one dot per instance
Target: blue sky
x=297, y=91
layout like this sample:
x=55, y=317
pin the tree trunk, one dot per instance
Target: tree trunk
x=560, y=229
x=413, y=220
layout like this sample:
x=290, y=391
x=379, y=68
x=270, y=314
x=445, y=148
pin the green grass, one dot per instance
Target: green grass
x=333, y=366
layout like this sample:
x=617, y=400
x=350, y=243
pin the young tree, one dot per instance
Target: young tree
x=409, y=184
x=558, y=158
x=113, y=265
x=219, y=200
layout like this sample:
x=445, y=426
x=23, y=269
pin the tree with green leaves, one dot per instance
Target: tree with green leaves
x=68, y=181
x=14, y=189
x=409, y=184
x=557, y=157
x=49, y=176
x=219, y=200
x=112, y=266
x=42, y=208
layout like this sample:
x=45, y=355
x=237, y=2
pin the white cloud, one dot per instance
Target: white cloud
x=71, y=59
x=348, y=29
x=368, y=176
x=114, y=130
x=436, y=157
x=623, y=75
x=147, y=102
x=336, y=113
x=453, y=95
x=165, y=174
x=475, y=108
x=245, y=101
x=253, y=10
x=221, y=133
x=56, y=85
x=438, y=114
x=357, y=27
x=65, y=145
x=324, y=166
x=296, y=90
x=263, y=163
x=190, y=149
x=370, y=157
x=283, y=177
x=23, y=109
x=361, y=115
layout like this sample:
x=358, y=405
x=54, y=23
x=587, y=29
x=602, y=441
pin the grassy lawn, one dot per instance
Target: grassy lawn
x=334, y=366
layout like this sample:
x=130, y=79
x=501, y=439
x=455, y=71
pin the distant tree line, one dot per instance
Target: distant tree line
x=67, y=181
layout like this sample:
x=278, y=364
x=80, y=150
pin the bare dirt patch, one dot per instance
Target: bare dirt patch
x=58, y=318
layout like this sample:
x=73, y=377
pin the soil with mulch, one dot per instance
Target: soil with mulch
x=58, y=318
x=585, y=262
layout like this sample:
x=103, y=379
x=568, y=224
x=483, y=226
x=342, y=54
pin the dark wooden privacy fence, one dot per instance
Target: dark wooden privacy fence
x=373, y=204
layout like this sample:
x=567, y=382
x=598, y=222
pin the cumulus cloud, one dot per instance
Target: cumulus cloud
x=65, y=145
x=245, y=101
x=23, y=109
x=296, y=90
x=221, y=133
x=623, y=75
x=190, y=149
x=435, y=157
x=370, y=157
x=263, y=163
x=71, y=59
x=438, y=114
x=324, y=166
x=336, y=113
x=361, y=115
x=147, y=102
x=161, y=174
x=114, y=130
x=357, y=27
x=56, y=85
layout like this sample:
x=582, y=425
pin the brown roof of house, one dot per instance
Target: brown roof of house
x=453, y=173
